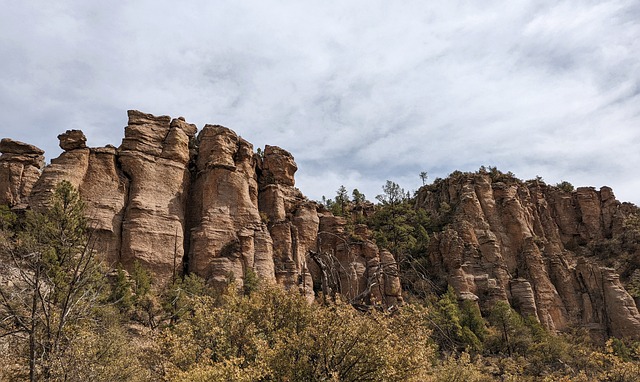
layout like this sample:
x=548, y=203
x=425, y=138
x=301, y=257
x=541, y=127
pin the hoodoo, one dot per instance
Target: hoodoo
x=176, y=200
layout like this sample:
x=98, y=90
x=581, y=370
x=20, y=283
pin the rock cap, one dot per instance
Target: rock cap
x=9, y=146
x=72, y=140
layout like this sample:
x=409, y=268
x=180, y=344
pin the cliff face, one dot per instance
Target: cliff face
x=176, y=201
x=535, y=246
x=20, y=167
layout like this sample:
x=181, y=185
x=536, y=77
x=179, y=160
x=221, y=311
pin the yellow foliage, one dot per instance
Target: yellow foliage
x=277, y=335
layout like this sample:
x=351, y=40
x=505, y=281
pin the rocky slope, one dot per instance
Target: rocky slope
x=176, y=201
x=538, y=247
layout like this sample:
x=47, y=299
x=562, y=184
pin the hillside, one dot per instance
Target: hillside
x=184, y=205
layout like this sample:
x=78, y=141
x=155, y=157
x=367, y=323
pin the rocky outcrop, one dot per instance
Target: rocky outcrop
x=105, y=189
x=71, y=166
x=227, y=236
x=533, y=246
x=96, y=174
x=72, y=140
x=204, y=204
x=20, y=167
x=154, y=156
x=176, y=201
x=352, y=264
x=292, y=219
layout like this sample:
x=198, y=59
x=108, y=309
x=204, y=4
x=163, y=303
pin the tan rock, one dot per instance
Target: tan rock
x=154, y=157
x=72, y=140
x=357, y=269
x=166, y=196
x=9, y=146
x=227, y=235
x=20, y=167
x=525, y=243
x=105, y=191
x=523, y=297
x=278, y=166
x=70, y=166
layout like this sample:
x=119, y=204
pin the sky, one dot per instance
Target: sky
x=360, y=92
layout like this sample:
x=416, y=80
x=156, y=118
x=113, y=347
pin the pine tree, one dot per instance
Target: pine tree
x=358, y=197
x=341, y=201
x=60, y=281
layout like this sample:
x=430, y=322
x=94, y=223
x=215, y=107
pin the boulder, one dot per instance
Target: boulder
x=72, y=140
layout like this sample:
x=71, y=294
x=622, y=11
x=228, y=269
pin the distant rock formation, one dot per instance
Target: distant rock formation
x=534, y=246
x=177, y=201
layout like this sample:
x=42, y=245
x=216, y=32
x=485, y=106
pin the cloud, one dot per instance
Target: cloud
x=360, y=92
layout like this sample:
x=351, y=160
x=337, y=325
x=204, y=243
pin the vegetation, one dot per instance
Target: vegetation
x=63, y=316
x=59, y=284
x=565, y=186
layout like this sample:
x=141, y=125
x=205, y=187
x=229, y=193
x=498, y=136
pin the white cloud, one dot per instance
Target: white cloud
x=359, y=92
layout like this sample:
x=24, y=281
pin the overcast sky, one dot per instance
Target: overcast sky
x=358, y=91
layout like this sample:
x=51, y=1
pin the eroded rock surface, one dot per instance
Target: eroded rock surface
x=154, y=156
x=20, y=167
x=204, y=204
x=102, y=185
x=178, y=201
x=534, y=246
x=227, y=237
x=72, y=139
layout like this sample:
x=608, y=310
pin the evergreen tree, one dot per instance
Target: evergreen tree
x=341, y=201
x=455, y=327
x=423, y=177
x=60, y=281
x=513, y=334
x=358, y=197
x=121, y=291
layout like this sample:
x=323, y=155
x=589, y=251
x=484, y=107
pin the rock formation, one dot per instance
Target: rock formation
x=177, y=202
x=534, y=246
x=20, y=167
x=154, y=156
x=227, y=236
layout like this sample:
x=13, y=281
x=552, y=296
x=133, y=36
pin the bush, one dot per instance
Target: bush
x=565, y=186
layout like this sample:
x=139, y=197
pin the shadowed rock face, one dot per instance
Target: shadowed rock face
x=20, y=167
x=534, y=246
x=206, y=204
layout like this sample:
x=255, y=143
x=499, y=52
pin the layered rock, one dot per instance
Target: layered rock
x=311, y=248
x=227, y=236
x=206, y=205
x=102, y=185
x=209, y=205
x=20, y=168
x=71, y=166
x=105, y=189
x=354, y=265
x=154, y=156
x=531, y=245
x=293, y=220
